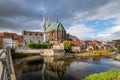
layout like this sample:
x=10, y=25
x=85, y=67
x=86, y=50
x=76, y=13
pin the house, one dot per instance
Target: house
x=110, y=45
x=20, y=41
x=58, y=45
x=76, y=45
x=9, y=40
x=30, y=36
x=15, y=40
x=93, y=45
x=71, y=37
x=1, y=41
x=117, y=43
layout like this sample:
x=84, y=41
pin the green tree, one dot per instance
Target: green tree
x=51, y=38
x=67, y=46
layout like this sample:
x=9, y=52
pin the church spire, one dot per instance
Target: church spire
x=49, y=21
x=44, y=24
x=57, y=20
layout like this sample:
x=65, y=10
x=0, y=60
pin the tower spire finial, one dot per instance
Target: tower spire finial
x=44, y=24
x=57, y=20
x=49, y=21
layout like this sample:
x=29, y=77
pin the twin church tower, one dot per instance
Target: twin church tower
x=44, y=23
x=56, y=30
x=51, y=32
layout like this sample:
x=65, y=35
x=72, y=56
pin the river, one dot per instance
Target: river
x=52, y=68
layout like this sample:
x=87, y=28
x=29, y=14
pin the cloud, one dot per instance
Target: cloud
x=18, y=15
x=107, y=10
x=110, y=34
x=81, y=31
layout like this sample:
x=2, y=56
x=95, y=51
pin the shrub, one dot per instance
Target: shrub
x=67, y=46
x=39, y=45
x=20, y=55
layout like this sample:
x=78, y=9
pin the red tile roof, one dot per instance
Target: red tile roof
x=14, y=36
x=76, y=43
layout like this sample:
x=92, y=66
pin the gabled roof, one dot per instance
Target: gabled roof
x=76, y=43
x=14, y=36
x=54, y=26
x=1, y=35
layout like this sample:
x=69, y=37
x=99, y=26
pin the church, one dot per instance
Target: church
x=54, y=32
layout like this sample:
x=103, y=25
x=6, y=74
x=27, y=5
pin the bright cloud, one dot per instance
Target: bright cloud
x=90, y=19
x=110, y=33
x=81, y=31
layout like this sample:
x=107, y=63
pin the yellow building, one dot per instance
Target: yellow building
x=1, y=41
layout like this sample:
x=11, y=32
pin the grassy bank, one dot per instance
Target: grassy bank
x=110, y=75
x=95, y=53
x=20, y=55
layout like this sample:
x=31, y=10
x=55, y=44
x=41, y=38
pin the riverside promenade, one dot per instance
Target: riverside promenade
x=42, y=52
x=6, y=65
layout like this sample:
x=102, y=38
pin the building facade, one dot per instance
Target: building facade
x=1, y=41
x=8, y=40
x=30, y=36
x=56, y=31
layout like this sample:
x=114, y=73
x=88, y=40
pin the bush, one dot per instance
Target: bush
x=20, y=55
x=67, y=46
x=109, y=75
x=38, y=45
x=118, y=51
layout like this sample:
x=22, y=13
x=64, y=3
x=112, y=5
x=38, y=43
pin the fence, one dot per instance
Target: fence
x=7, y=72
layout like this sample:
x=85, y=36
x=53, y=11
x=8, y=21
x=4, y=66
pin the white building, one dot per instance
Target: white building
x=30, y=36
x=7, y=42
x=10, y=39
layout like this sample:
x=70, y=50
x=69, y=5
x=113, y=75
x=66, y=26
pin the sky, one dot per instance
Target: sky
x=86, y=19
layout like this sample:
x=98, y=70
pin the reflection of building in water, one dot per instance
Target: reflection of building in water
x=54, y=68
x=27, y=67
x=49, y=68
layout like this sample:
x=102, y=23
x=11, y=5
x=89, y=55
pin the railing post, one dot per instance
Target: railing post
x=12, y=75
x=4, y=75
x=8, y=70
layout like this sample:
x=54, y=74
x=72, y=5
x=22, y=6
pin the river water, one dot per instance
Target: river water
x=52, y=68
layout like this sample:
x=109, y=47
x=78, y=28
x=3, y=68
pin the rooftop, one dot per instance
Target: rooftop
x=54, y=26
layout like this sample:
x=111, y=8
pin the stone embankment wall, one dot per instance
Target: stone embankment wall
x=43, y=52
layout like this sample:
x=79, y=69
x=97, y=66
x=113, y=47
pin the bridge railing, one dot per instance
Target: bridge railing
x=7, y=70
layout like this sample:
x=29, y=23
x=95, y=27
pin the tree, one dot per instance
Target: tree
x=118, y=44
x=67, y=46
x=51, y=38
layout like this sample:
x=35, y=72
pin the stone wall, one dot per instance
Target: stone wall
x=43, y=52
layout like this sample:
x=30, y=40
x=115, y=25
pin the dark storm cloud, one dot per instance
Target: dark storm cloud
x=8, y=24
x=18, y=14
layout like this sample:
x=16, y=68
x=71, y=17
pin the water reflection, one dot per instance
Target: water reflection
x=52, y=68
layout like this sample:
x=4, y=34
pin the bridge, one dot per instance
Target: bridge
x=6, y=65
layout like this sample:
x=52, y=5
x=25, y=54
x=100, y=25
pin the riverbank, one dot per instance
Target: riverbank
x=95, y=53
x=109, y=75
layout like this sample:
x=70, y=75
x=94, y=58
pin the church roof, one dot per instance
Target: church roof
x=54, y=26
